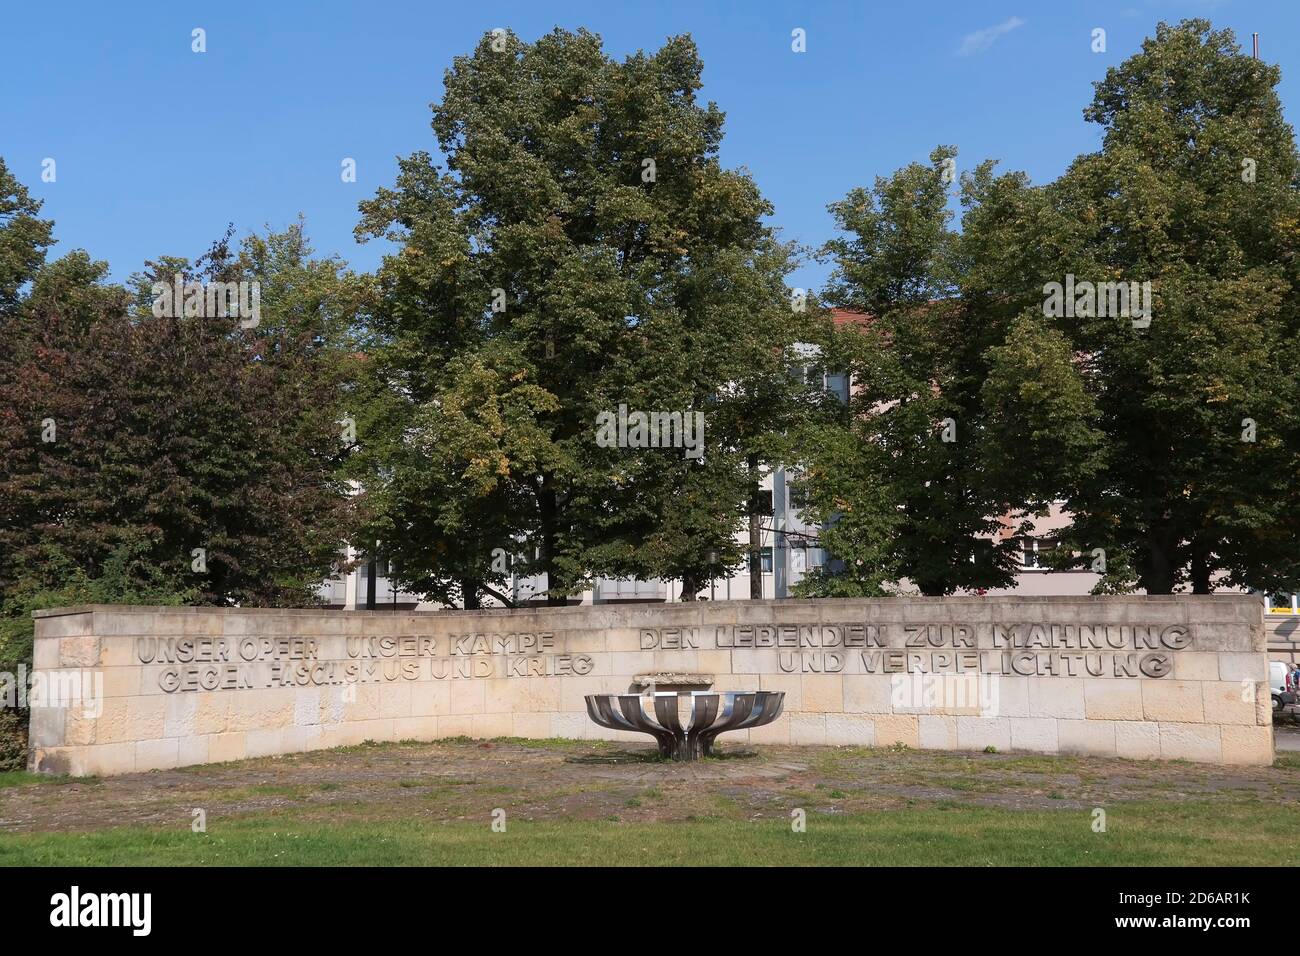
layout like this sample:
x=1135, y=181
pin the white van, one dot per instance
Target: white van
x=1281, y=685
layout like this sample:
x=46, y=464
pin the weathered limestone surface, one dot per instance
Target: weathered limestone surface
x=1182, y=677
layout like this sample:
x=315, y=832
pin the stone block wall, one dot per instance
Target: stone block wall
x=133, y=688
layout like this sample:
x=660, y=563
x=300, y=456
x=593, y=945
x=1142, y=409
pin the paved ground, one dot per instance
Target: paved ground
x=1286, y=738
x=554, y=780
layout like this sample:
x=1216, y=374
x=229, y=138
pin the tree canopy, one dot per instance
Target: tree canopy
x=571, y=251
x=1158, y=404
x=204, y=451
x=582, y=250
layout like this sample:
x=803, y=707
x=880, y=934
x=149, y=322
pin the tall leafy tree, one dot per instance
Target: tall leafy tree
x=202, y=449
x=24, y=238
x=1194, y=190
x=968, y=416
x=583, y=249
x=1173, y=442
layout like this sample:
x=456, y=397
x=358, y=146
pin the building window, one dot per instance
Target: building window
x=1033, y=552
x=806, y=557
x=765, y=556
x=1281, y=604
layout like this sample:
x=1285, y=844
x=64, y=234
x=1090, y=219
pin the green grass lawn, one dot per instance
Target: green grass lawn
x=1137, y=835
x=594, y=803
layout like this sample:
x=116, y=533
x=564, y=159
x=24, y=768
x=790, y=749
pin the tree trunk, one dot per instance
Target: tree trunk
x=469, y=594
x=1201, y=569
x=755, y=533
x=1159, y=575
x=547, y=507
x=371, y=570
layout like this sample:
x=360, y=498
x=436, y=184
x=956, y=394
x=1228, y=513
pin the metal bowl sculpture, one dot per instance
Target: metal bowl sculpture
x=685, y=725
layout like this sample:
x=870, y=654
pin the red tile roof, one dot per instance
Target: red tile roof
x=850, y=317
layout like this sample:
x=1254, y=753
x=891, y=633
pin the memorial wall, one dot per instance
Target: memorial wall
x=121, y=689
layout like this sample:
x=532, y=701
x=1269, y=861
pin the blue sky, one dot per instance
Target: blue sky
x=158, y=148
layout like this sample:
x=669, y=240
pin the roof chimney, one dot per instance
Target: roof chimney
x=1254, y=42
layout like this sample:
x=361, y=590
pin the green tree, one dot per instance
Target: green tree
x=1194, y=191
x=582, y=250
x=214, y=444
x=1173, y=442
x=24, y=238
x=968, y=415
